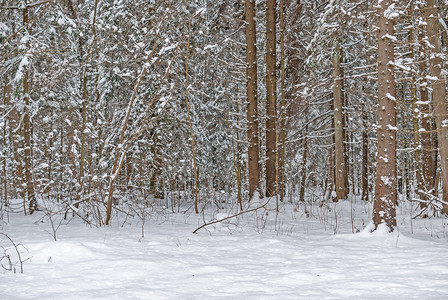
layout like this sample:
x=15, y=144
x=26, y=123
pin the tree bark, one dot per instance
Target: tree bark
x=365, y=162
x=339, y=131
x=252, y=99
x=282, y=144
x=193, y=153
x=438, y=92
x=426, y=137
x=331, y=179
x=271, y=95
x=6, y=100
x=384, y=211
x=304, y=162
x=31, y=198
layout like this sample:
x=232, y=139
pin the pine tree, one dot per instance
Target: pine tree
x=271, y=99
x=252, y=99
x=386, y=174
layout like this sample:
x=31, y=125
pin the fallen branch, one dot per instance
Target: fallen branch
x=232, y=216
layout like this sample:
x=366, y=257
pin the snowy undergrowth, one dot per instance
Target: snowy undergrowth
x=307, y=251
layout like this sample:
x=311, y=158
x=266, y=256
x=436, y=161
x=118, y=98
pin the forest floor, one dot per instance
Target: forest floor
x=304, y=252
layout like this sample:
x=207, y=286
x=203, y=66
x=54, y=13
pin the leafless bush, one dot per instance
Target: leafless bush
x=8, y=261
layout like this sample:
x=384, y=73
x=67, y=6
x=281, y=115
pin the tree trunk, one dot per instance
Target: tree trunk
x=427, y=175
x=235, y=149
x=304, y=161
x=31, y=198
x=193, y=153
x=331, y=179
x=384, y=211
x=282, y=144
x=121, y=150
x=339, y=131
x=417, y=150
x=365, y=161
x=128, y=169
x=271, y=95
x=438, y=92
x=83, y=137
x=6, y=100
x=252, y=101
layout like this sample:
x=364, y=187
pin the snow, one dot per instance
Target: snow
x=384, y=158
x=423, y=102
x=391, y=37
x=24, y=63
x=391, y=13
x=433, y=78
x=390, y=97
x=255, y=256
x=168, y=48
x=386, y=180
x=393, y=128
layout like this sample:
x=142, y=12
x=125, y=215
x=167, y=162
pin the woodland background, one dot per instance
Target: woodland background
x=109, y=106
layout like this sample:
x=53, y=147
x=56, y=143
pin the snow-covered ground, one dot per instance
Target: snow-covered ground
x=308, y=252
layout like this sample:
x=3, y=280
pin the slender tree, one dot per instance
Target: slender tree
x=271, y=98
x=252, y=99
x=27, y=130
x=365, y=159
x=193, y=152
x=339, y=131
x=281, y=154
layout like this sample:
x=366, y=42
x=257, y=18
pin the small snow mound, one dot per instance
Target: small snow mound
x=61, y=251
x=381, y=235
x=221, y=216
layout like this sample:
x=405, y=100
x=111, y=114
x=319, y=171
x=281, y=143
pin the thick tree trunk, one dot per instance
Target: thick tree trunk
x=438, y=92
x=427, y=176
x=384, y=211
x=252, y=99
x=271, y=99
x=339, y=131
